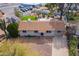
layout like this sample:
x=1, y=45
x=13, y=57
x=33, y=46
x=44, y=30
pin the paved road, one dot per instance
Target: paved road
x=8, y=9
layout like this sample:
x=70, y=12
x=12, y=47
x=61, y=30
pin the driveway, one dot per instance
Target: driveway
x=59, y=46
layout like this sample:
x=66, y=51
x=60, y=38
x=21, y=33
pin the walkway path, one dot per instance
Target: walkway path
x=59, y=46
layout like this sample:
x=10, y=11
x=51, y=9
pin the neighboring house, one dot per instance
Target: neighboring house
x=1, y=17
x=1, y=14
x=1, y=33
x=12, y=19
x=41, y=28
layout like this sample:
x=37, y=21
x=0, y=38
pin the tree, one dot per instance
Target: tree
x=69, y=10
x=17, y=13
x=52, y=7
x=13, y=29
x=61, y=9
x=3, y=26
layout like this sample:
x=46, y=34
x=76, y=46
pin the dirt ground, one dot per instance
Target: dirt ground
x=47, y=46
x=40, y=44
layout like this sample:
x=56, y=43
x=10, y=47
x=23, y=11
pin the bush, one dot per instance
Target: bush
x=71, y=18
x=72, y=46
x=25, y=18
x=13, y=29
x=17, y=13
x=16, y=49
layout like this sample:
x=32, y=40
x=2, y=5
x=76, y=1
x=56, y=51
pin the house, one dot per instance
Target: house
x=41, y=28
x=1, y=14
x=1, y=17
x=1, y=32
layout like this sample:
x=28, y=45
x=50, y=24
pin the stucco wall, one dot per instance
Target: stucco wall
x=32, y=33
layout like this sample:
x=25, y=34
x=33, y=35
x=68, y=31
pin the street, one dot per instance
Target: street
x=8, y=9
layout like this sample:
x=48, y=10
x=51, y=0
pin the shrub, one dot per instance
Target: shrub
x=71, y=18
x=17, y=13
x=72, y=46
x=13, y=29
x=16, y=49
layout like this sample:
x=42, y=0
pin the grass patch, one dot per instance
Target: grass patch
x=76, y=17
x=25, y=18
x=15, y=48
x=73, y=17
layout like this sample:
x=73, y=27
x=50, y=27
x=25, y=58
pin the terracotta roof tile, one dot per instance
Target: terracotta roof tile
x=1, y=32
x=41, y=25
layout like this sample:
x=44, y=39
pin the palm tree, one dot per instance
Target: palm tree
x=3, y=26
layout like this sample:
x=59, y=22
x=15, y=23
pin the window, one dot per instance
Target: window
x=24, y=31
x=36, y=31
x=42, y=34
x=58, y=31
x=48, y=31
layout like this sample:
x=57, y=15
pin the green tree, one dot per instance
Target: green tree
x=13, y=29
x=17, y=13
x=52, y=7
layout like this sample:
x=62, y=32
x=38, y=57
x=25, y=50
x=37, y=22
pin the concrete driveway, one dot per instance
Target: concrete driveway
x=59, y=46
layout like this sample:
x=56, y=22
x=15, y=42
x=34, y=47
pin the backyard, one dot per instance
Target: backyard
x=35, y=46
x=29, y=46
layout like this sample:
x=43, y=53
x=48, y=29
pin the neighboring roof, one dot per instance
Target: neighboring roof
x=1, y=32
x=1, y=14
x=45, y=8
x=42, y=25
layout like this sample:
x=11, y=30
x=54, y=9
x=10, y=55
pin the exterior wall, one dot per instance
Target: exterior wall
x=28, y=33
x=32, y=33
x=59, y=33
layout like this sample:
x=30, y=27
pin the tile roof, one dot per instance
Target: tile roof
x=1, y=32
x=1, y=14
x=41, y=25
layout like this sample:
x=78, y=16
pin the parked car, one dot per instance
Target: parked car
x=22, y=9
x=21, y=6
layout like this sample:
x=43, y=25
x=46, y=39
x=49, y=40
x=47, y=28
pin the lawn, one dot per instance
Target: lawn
x=25, y=18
